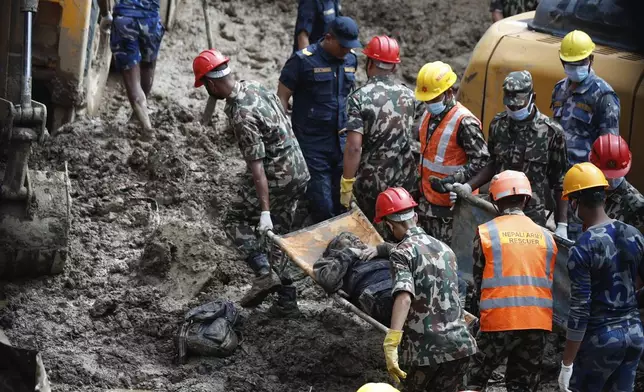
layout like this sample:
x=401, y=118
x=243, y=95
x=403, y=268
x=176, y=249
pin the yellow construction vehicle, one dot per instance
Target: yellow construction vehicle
x=54, y=51
x=531, y=41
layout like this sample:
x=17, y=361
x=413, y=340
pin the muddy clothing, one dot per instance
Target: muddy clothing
x=513, y=7
x=314, y=17
x=383, y=112
x=368, y=283
x=437, y=220
x=445, y=377
x=263, y=132
x=536, y=147
x=435, y=331
x=135, y=39
x=625, y=203
x=524, y=351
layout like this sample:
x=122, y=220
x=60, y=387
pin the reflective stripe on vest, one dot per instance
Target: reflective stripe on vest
x=516, y=291
x=441, y=154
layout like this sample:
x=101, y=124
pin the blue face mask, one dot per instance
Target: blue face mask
x=613, y=183
x=577, y=73
x=436, y=108
x=521, y=114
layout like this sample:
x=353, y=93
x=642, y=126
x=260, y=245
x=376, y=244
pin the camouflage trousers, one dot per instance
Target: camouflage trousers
x=243, y=217
x=367, y=189
x=135, y=40
x=524, y=352
x=608, y=361
x=439, y=228
x=444, y=377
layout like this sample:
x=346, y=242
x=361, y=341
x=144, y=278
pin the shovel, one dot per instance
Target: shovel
x=212, y=102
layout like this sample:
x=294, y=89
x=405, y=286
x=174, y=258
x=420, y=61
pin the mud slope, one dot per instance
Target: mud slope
x=147, y=241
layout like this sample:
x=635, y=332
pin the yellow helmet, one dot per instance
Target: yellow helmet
x=433, y=80
x=377, y=387
x=576, y=46
x=582, y=176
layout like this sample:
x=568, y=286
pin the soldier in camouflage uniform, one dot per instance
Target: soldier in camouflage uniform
x=278, y=173
x=381, y=115
x=135, y=41
x=445, y=157
x=504, y=8
x=524, y=139
x=605, y=340
x=583, y=103
x=610, y=153
x=513, y=259
x=427, y=318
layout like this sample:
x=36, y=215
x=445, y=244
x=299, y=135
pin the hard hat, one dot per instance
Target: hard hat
x=582, y=176
x=391, y=201
x=576, y=46
x=377, y=387
x=383, y=48
x=434, y=79
x=510, y=183
x=206, y=62
x=611, y=155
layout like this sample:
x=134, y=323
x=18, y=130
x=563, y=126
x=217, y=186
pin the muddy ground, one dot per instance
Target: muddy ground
x=147, y=241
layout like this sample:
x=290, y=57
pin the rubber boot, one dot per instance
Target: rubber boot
x=266, y=281
x=286, y=303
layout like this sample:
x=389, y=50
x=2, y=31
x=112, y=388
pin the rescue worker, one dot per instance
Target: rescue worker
x=427, y=319
x=604, y=339
x=514, y=263
x=313, y=19
x=452, y=147
x=320, y=78
x=135, y=41
x=610, y=153
x=377, y=387
x=505, y=8
x=378, y=153
x=583, y=103
x=523, y=139
x=277, y=173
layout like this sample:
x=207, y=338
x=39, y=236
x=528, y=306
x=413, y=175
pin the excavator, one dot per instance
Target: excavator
x=54, y=64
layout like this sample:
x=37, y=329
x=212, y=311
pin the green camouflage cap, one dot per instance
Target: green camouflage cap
x=517, y=88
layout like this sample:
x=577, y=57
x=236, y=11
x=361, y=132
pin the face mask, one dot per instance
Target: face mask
x=521, y=114
x=577, y=73
x=613, y=183
x=436, y=108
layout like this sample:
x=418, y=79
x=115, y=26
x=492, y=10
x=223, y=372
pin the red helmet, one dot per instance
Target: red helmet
x=391, y=201
x=206, y=62
x=611, y=155
x=383, y=48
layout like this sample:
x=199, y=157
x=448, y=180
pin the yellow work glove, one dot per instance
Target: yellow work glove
x=346, y=191
x=390, y=345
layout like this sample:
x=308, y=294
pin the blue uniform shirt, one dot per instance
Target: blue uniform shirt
x=588, y=111
x=321, y=84
x=137, y=8
x=603, y=267
x=314, y=16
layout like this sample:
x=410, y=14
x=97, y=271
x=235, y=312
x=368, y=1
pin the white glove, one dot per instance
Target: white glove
x=369, y=253
x=564, y=377
x=465, y=187
x=265, y=222
x=562, y=230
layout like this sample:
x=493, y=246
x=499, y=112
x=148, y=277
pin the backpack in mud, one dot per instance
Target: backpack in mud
x=208, y=330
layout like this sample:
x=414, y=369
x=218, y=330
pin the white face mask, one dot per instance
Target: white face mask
x=613, y=183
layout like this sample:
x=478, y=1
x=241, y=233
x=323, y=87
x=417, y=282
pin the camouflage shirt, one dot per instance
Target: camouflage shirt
x=264, y=132
x=603, y=266
x=536, y=147
x=435, y=330
x=383, y=112
x=626, y=203
x=585, y=112
x=513, y=7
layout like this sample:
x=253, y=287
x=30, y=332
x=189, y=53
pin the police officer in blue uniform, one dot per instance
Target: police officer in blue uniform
x=313, y=19
x=320, y=77
x=584, y=104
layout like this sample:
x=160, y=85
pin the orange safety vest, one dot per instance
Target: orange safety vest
x=441, y=154
x=516, y=292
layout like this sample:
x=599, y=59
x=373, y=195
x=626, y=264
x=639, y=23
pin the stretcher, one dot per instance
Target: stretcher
x=304, y=247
